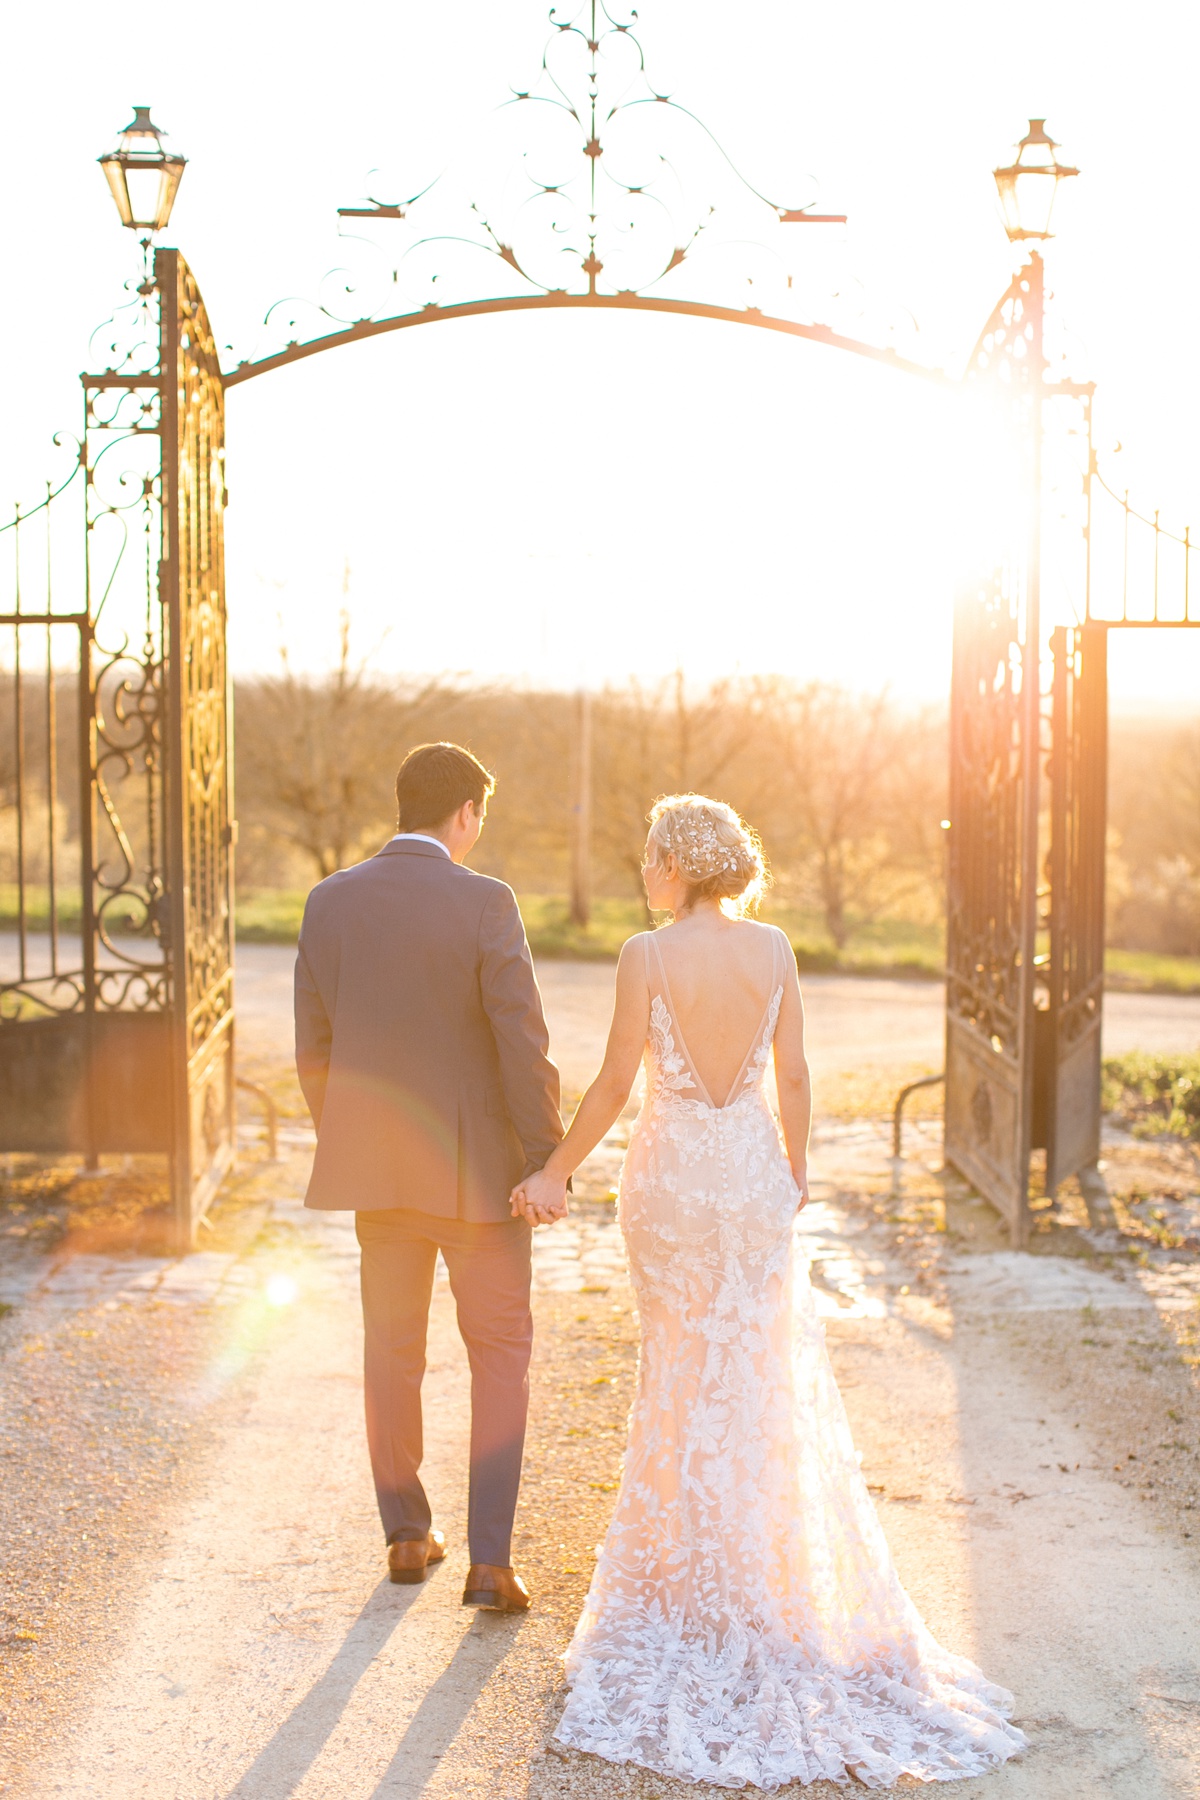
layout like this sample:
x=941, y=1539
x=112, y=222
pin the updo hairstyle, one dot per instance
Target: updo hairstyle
x=718, y=855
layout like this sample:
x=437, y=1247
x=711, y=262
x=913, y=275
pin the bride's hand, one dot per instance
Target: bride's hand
x=539, y=1198
x=800, y=1177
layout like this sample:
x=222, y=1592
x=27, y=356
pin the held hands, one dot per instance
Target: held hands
x=800, y=1177
x=540, y=1198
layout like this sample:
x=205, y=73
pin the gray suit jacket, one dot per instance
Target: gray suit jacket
x=420, y=1041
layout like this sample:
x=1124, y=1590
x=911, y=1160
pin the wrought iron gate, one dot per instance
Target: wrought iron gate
x=1023, y=1029
x=994, y=724
x=990, y=919
x=1066, y=1120
x=116, y=1015
x=199, y=765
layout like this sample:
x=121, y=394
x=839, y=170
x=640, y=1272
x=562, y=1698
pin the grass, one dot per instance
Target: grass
x=885, y=947
x=1154, y=1095
x=274, y=918
x=881, y=947
x=1150, y=972
x=37, y=908
x=269, y=916
x=895, y=947
x=550, y=931
x=18, y=1007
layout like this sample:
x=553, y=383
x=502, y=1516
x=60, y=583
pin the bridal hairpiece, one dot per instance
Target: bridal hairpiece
x=695, y=841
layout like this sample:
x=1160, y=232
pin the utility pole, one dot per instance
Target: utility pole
x=581, y=814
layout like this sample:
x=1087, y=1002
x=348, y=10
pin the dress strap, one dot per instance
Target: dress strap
x=656, y=970
x=656, y=975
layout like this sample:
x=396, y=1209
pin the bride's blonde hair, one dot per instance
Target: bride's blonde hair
x=717, y=853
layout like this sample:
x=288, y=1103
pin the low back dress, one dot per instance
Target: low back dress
x=745, y=1624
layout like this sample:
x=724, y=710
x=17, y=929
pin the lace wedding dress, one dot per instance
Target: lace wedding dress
x=745, y=1625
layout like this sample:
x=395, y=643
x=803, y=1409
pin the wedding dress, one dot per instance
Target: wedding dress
x=745, y=1625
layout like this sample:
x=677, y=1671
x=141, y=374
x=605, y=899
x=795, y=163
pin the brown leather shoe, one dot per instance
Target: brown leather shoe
x=499, y=1589
x=409, y=1558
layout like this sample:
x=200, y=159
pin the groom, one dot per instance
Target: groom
x=421, y=1050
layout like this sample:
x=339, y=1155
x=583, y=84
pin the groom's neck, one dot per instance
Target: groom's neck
x=458, y=842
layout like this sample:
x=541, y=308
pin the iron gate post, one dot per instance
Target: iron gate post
x=174, y=820
x=85, y=694
x=1062, y=652
x=1031, y=696
x=1070, y=1060
x=200, y=831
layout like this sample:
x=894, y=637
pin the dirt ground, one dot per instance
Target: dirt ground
x=191, y=1601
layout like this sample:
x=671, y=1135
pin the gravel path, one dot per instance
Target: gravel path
x=240, y=1641
x=851, y=1022
x=191, y=1602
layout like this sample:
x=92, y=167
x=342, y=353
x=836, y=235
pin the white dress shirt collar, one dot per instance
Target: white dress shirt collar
x=419, y=837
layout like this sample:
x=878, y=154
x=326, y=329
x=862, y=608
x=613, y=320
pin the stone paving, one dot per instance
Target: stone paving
x=851, y=1277
x=584, y=1253
x=849, y=1021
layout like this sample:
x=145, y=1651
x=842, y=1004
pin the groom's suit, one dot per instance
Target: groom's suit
x=422, y=1052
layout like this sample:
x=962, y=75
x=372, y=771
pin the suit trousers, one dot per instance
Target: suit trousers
x=489, y=1266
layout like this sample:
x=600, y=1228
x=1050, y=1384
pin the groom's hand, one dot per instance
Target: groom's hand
x=539, y=1198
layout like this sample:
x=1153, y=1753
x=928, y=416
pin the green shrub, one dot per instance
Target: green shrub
x=1154, y=1094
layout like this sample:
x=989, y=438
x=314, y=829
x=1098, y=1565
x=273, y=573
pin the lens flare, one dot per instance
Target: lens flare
x=281, y=1290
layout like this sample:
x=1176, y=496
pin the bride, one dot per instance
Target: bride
x=745, y=1625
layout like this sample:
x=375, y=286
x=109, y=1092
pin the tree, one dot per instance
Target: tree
x=865, y=787
x=316, y=755
x=1154, y=837
x=664, y=738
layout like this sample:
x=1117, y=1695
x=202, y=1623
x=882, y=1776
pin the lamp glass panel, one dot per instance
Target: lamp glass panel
x=145, y=191
x=1007, y=186
x=172, y=175
x=114, y=174
x=1035, y=199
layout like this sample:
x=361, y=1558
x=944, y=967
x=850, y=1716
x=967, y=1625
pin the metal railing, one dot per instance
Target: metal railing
x=898, y=1109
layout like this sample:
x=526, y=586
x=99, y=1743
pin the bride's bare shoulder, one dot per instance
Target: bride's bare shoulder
x=765, y=934
x=633, y=952
x=760, y=927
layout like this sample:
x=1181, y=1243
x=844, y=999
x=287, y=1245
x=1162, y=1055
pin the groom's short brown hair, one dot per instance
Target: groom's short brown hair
x=435, y=780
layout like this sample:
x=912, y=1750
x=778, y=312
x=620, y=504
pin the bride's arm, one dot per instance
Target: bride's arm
x=792, y=1079
x=543, y=1196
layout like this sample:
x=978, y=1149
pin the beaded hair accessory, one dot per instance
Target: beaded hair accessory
x=693, y=837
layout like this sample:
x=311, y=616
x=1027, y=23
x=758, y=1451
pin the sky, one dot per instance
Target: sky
x=571, y=498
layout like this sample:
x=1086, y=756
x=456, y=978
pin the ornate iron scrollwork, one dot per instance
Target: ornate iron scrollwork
x=601, y=192
x=126, y=954
x=985, y=935
x=41, y=974
x=609, y=194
